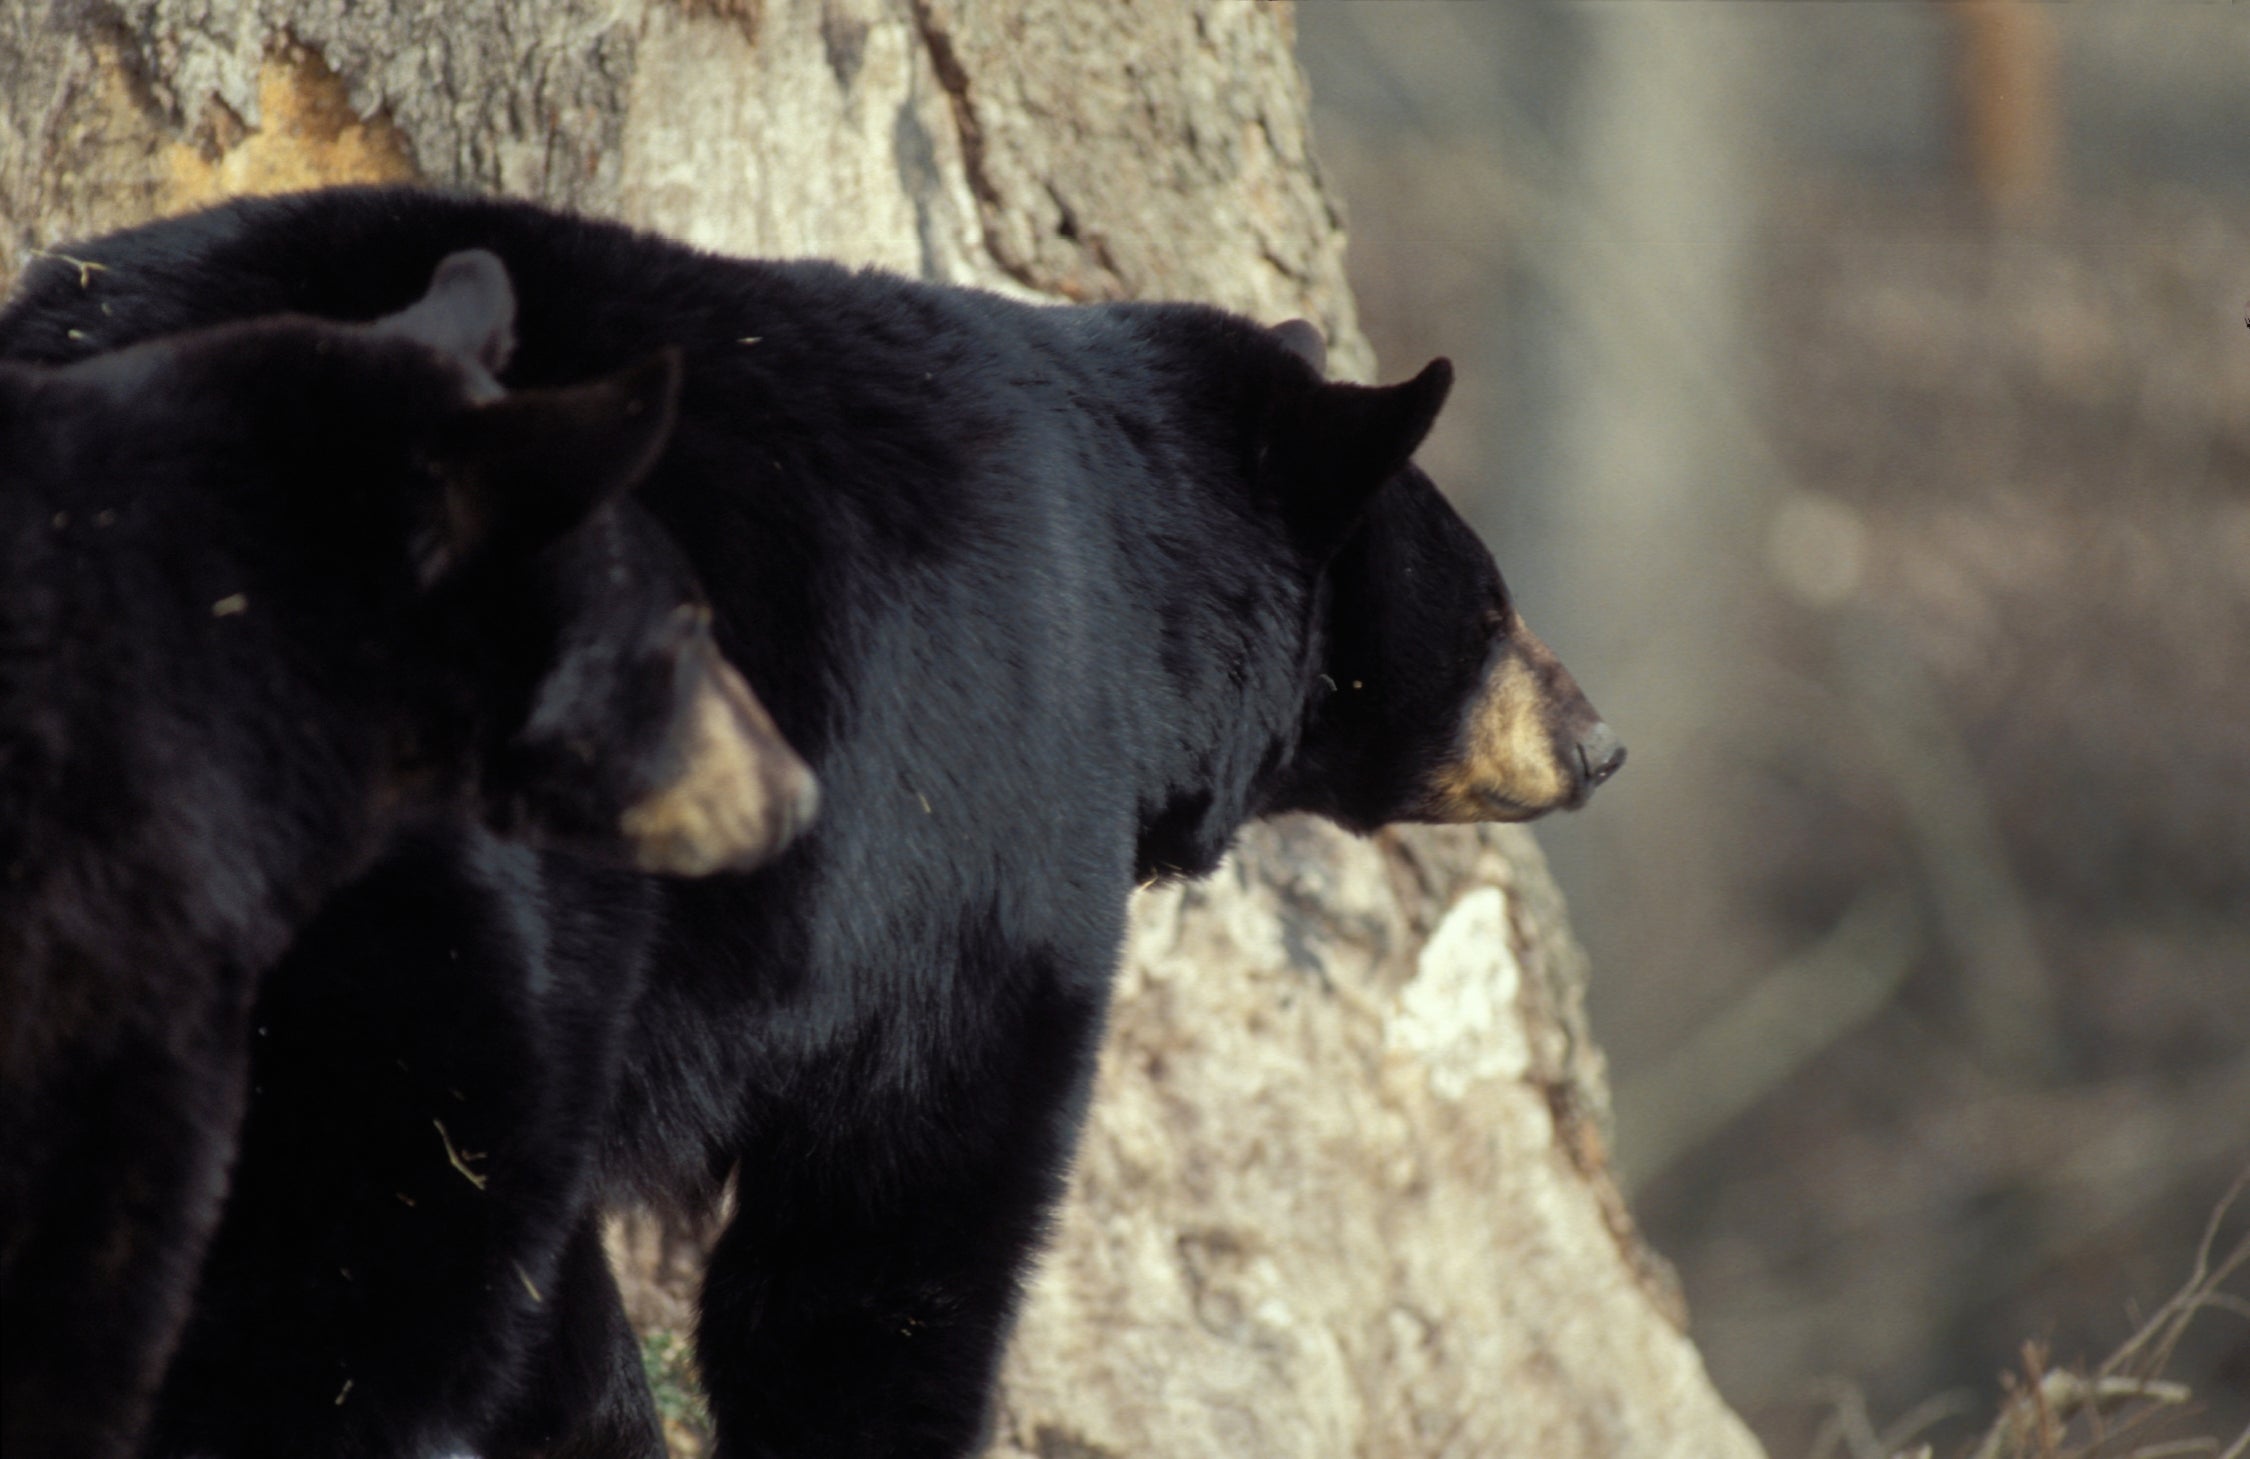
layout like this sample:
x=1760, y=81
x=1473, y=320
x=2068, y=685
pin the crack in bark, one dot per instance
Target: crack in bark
x=1091, y=242
x=953, y=79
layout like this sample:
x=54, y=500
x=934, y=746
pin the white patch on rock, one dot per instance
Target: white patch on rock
x=1457, y=1015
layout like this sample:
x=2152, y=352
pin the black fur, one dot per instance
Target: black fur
x=1054, y=599
x=417, y=1137
x=270, y=594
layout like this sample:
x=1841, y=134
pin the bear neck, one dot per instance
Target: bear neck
x=1230, y=604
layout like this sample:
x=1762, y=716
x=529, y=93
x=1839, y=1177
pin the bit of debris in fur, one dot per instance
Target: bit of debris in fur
x=460, y=1158
x=87, y=268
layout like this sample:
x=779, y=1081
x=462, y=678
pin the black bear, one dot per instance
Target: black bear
x=270, y=594
x=1054, y=599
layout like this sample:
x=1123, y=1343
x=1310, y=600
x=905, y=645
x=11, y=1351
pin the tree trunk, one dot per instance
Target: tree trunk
x=1344, y=1191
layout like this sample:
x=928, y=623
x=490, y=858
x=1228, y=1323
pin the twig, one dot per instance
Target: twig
x=2162, y=1332
x=2037, y=1410
x=459, y=1159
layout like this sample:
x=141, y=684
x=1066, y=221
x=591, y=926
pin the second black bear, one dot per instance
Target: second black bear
x=271, y=593
x=1054, y=600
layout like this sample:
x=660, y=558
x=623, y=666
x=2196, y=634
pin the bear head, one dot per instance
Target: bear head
x=394, y=547
x=1431, y=699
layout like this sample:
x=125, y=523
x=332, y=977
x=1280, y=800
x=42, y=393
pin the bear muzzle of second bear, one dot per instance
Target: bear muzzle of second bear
x=742, y=795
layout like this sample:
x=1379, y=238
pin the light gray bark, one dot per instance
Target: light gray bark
x=1345, y=1188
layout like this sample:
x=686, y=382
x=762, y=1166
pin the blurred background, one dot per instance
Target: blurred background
x=1857, y=397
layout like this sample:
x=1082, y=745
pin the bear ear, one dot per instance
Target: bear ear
x=1348, y=441
x=468, y=315
x=530, y=466
x=1301, y=337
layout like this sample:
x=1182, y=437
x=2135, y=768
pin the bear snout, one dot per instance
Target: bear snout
x=1529, y=742
x=741, y=793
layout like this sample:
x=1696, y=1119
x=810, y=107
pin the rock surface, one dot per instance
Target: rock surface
x=1345, y=1187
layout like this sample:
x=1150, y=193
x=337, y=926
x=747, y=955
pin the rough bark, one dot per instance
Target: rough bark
x=1345, y=1188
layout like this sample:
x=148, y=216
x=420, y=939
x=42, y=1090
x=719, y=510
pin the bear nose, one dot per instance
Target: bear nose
x=1600, y=754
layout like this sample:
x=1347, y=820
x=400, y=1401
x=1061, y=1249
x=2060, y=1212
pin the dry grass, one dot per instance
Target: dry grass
x=2122, y=1408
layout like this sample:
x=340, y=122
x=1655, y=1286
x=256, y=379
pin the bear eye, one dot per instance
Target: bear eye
x=1494, y=622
